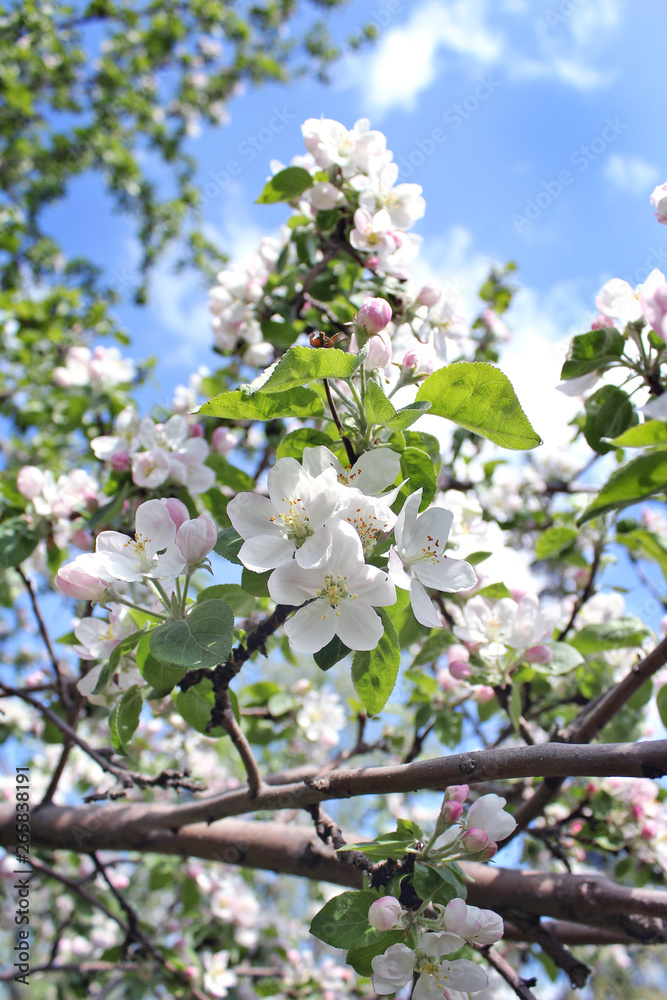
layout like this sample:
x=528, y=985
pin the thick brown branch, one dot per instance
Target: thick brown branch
x=555, y=760
x=608, y=912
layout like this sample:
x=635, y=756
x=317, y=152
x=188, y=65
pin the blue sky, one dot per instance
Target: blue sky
x=535, y=128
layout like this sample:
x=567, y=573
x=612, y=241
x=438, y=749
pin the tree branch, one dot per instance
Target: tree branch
x=587, y=908
x=520, y=986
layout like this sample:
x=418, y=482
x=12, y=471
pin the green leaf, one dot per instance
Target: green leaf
x=17, y=541
x=229, y=544
x=389, y=845
x=300, y=365
x=479, y=397
x=343, y=921
x=374, y=671
x=195, y=706
x=203, y=639
x=475, y=558
x=292, y=445
x=565, y=659
x=646, y=545
x=379, y=409
x=330, y=654
x=609, y=412
x=592, y=351
x=241, y=603
x=125, y=645
x=554, y=540
x=228, y=475
x=619, y=633
x=239, y=405
x=124, y=719
x=640, y=478
x=408, y=414
x=160, y=676
x=643, y=435
x=661, y=702
x=256, y=583
x=417, y=466
x=429, y=884
x=360, y=958
x=286, y=185
x=494, y=591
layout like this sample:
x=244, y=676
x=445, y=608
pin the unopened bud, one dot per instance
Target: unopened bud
x=475, y=840
x=451, y=812
x=457, y=793
x=538, y=654
x=383, y=914
x=374, y=315
x=429, y=295
x=460, y=670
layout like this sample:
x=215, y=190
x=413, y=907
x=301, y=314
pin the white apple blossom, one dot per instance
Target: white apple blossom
x=342, y=592
x=472, y=923
x=151, y=553
x=217, y=977
x=503, y=625
x=290, y=521
x=443, y=323
x=404, y=202
x=653, y=302
x=619, y=301
x=98, y=637
x=418, y=559
x=374, y=233
x=322, y=717
x=487, y=813
x=393, y=970
x=659, y=202
x=372, y=472
x=102, y=368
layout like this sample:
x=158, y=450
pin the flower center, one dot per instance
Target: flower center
x=334, y=589
x=296, y=521
x=428, y=553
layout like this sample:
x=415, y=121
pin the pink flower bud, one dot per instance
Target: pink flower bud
x=120, y=461
x=489, y=852
x=374, y=315
x=429, y=295
x=384, y=913
x=460, y=670
x=451, y=812
x=29, y=481
x=518, y=594
x=538, y=654
x=84, y=578
x=600, y=321
x=178, y=512
x=649, y=830
x=83, y=539
x=484, y=694
x=222, y=440
x=372, y=262
x=457, y=793
x=475, y=840
x=196, y=538
x=637, y=812
x=576, y=826
x=196, y=431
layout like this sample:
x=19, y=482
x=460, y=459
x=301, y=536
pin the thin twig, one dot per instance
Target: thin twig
x=223, y=715
x=520, y=986
x=43, y=631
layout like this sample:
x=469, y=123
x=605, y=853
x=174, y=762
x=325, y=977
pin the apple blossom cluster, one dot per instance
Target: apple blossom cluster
x=156, y=453
x=62, y=502
x=319, y=525
x=233, y=302
x=503, y=633
x=101, y=368
x=659, y=202
x=167, y=544
x=434, y=939
x=353, y=174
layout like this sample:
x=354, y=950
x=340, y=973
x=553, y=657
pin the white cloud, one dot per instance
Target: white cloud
x=542, y=322
x=404, y=62
x=409, y=57
x=631, y=173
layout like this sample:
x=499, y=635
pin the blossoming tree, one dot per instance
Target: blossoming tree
x=353, y=477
